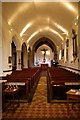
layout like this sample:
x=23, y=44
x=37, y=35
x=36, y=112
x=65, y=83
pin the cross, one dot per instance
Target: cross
x=44, y=50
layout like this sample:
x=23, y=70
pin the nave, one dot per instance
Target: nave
x=40, y=108
x=40, y=35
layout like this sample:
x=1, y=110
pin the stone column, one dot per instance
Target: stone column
x=29, y=57
x=35, y=59
x=18, y=59
x=25, y=59
x=10, y=57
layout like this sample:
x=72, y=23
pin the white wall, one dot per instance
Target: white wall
x=71, y=63
x=6, y=46
x=7, y=36
x=0, y=38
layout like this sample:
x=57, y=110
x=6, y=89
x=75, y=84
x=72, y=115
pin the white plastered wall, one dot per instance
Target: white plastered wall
x=7, y=36
x=71, y=63
x=6, y=48
x=0, y=38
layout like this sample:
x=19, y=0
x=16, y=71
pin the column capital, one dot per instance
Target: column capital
x=18, y=50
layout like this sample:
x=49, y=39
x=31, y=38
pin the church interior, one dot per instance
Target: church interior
x=39, y=60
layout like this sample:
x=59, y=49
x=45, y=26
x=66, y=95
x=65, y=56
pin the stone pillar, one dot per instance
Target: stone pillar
x=35, y=58
x=30, y=57
x=10, y=57
x=25, y=59
x=18, y=59
x=52, y=57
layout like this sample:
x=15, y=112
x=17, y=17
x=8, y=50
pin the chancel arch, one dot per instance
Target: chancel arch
x=44, y=41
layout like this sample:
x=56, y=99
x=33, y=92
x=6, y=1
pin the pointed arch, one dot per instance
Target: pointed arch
x=41, y=41
x=44, y=40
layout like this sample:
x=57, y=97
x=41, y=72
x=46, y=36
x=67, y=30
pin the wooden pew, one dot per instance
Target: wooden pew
x=57, y=81
x=28, y=76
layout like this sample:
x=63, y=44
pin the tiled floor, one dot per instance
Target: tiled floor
x=39, y=108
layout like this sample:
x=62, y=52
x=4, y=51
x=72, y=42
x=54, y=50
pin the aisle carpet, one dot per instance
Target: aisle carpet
x=40, y=109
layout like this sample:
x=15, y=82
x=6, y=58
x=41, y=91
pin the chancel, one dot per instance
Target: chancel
x=39, y=60
x=44, y=53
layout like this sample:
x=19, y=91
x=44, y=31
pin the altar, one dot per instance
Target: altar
x=44, y=66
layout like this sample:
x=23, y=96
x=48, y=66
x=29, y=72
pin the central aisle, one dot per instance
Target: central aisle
x=40, y=96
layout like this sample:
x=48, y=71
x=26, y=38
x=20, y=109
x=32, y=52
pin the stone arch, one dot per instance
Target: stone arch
x=16, y=41
x=41, y=41
x=46, y=41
